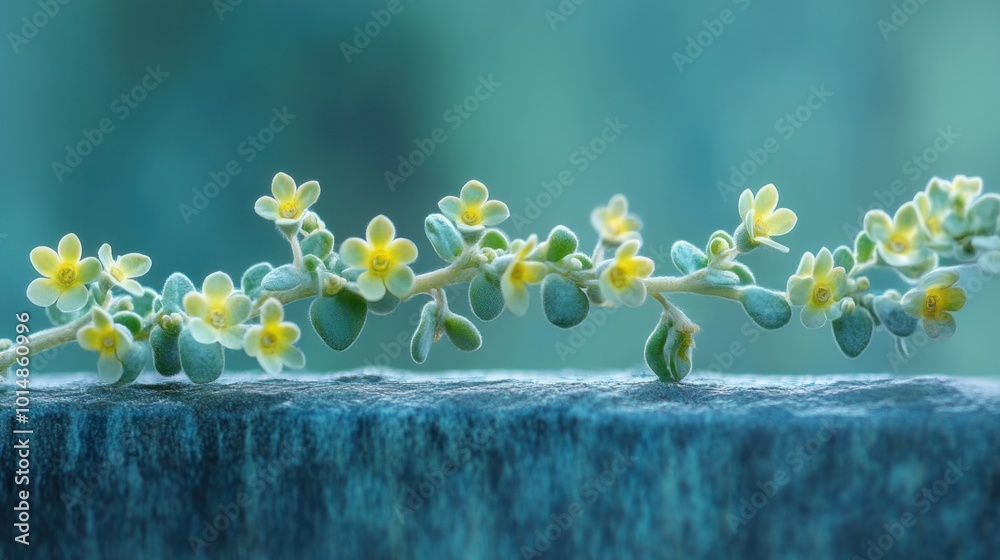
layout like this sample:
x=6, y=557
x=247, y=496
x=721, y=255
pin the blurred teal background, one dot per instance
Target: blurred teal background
x=562, y=70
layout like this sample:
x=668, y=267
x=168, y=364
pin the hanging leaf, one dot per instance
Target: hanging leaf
x=891, y=314
x=564, y=303
x=687, y=258
x=462, y=333
x=166, y=354
x=339, y=319
x=853, y=332
x=485, y=296
x=767, y=308
x=562, y=242
x=133, y=362
x=444, y=237
x=174, y=289
x=203, y=363
x=423, y=336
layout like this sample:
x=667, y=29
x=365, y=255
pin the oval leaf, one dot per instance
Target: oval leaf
x=564, y=303
x=203, y=363
x=133, y=362
x=462, y=333
x=843, y=256
x=485, y=296
x=891, y=313
x=174, y=289
x=283, y=278
x=445, y=239
x=853, y=332
x=767, y=308
x=318, y=243
x=423, y=336
x=166, y=354
x=494, y=239
x=687, y=258
x=384, y=306
x=130, y=320
x=562, y=242
x=338, y=319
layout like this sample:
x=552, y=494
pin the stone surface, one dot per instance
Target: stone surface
x=334, y=466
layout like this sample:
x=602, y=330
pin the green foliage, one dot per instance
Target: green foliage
x=203, y=363
x=174, y=289
x=166, y=351
x=285, y=277
x=668, y=349
x=853, y=332
x=767, y=308
x=339, y=319
x=562, y=243
x=444, y=237
x=425, y=334
x=485, y=295
x=564, y=303
x=462, y=333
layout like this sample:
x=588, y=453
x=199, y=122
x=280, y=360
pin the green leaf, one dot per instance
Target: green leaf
x=485, y=296
x=203, y=363
x=843, y=256
x=687, y=258
x=133, y=362
x=384, y=306
x=174, y=289
x=891, y=314
x=718, y=243
x=318, y=243
x=719, y=277
x=742, y=272
x=131, y=321
x=143, y=305
x=494, y=239
x=864, y=248
x=444, y=237
x=584, y=260
x=767, y=308
x=562, y=242
x=462, y=333
x=338, y=319
x=166, y=354
x=668, y=351
x=61, y=318
x=283, y=278
x=853, y=332
x=423, y=336
x=564, y=303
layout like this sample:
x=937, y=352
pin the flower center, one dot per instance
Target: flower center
x=472, y=217
x=289, y=210
x=380, y=261
x=759, y=228
x=218, y=315
x=108, y=341
x=619, y=276
x=117, y=273
x=66, y=274
x=932, y=304
x=934, y=226
x=822, y=294
x=517, y=271
x=899, y=244
x=269, y=341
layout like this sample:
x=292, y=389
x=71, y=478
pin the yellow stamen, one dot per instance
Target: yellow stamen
x=380, y=262
x=289, y=210
x=619, y=276
x=66, y=274
x=218, y=315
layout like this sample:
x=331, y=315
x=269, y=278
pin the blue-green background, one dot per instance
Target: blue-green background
x=559, y=81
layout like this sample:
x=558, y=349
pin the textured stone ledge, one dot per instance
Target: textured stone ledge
x=335, y=465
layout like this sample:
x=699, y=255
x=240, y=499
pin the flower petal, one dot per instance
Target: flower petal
x=813, y=317
x=109, y=369
x=69, y=248
x=134, y=265
x=355, y=252
x=533, y=272
x=239, y=307
x=940, y=327
x=102, y=320
x=913, y=302
x=45, y=260
x=745, y=203
x=105, y=256
x=766, y=200
x=452, y=207
x=271, y=312
x=73, y=299
x=940, y=279
x=307, y=194
x=283, y=188
x=202, y=331
x=270, y=362
x=232, y=337
x=953, y=299
x=907, y=218
x=380, y=231
x=633, y=294
x=89, y=338
x=251, y=341
x=772, y=244
x=43, y=292
x=293, y=358
x=642, y=267
x=402, y=251
x=627, y=250
x=781, y=222
x=372, y=287
x=289, y=333
x=515, y=295
x=88, y=270
x=474, y=194
x=195, y=304
x=267, y=208
x=806, y=265
x=494, y=212
x=217, y=286
x=800, y=289
x=617, y=207
x=132, y=287
x=878, y=225
x=399, y=281
x=824, y=263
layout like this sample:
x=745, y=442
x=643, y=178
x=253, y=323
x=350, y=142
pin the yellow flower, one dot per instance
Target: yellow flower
x=936, y=218
x=760, y=219
x=818, y=287
x=899, y=240
x=383, y=258
x=217, y=312
x=122, y=270
x=472, y=210
x=290, y=203
x=110, y=340
x=519, y=273
x=65, y=275
x=962, y=192
x=613, y=222
x=622, y=281
x=933, y=301
x=272, y=342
